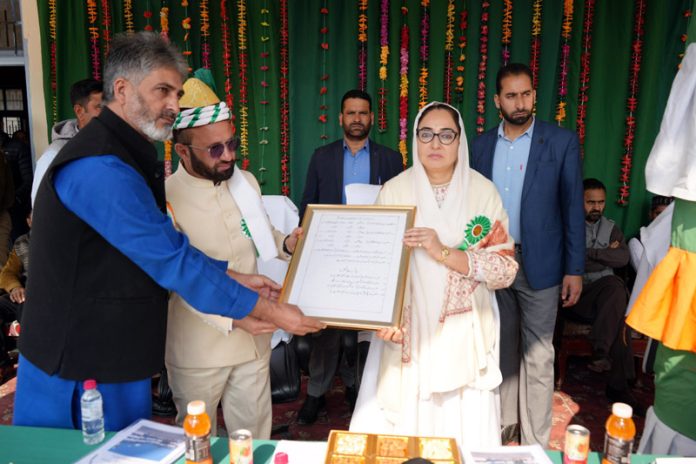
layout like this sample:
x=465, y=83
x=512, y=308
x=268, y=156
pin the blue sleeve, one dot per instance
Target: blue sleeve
x=115, y=201
x=572, y=195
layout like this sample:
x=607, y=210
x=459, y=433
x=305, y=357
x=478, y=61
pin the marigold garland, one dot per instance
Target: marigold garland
x=94, y=53
x=186, y=26
x=324, y=49
x=167, y=158
x=128, y=15
x=459, y=79
x=483, y=66
x=106, y=26
x=227, y=58
x=507, y=31
x=263, y=130
x=164, y=20
x=449, y=50
x=424, y=54
x=243, y=82
x=284, y=100
x=403, y=84
x=584, y=73
x=566, y=30
x=383, y=62
x=535, y=53
x=52, y=30
x=204, y=14
x=362, y=44
x=632, y=103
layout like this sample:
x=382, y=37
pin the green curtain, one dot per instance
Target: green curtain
x=612, y=36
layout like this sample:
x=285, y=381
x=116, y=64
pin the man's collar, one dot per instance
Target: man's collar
x=366, y=146
x=529, y=131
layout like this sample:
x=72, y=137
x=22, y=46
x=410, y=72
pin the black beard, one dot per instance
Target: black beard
x=201, y=169
x=517, y=121
x=362, y=135
x=593, y=216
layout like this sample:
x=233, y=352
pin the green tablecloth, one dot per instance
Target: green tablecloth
x=28, y=445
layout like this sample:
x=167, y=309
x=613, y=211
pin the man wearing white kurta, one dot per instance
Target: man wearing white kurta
x=213, y=358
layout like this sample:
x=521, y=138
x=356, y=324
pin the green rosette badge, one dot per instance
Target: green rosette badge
x=475, y=230
x=245, y=229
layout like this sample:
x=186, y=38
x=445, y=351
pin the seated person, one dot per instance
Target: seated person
x=13, y=277
x=604, y=296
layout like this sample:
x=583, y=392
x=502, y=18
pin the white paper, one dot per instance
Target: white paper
x=362, y=194
x=533, y=454
x=675, y=460
x=350, y=270
x=306, y=452
x=143, y=442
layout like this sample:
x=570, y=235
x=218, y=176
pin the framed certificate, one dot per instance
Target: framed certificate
x=349, y=267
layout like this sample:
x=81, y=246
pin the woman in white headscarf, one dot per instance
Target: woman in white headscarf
x=437, y=374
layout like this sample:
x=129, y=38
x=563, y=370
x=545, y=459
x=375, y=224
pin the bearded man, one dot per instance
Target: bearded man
x=104, y=255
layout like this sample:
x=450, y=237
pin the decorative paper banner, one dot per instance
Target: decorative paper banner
x=566, y=30
x=284, y=100
x=483, y=66
x=362, y=44
x=403, y=85
x=535, y=52
x=204, y=14
x=632, y=102
x=449, y=49
x=243, y=82
x=128, y=15
x=459, y=79
x=424, y=54
x=507, y=31
x=324, y=49
x=263, y=103
x=383, y=62
x=584, y=73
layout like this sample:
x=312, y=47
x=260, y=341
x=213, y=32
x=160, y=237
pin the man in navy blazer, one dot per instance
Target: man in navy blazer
x=537, y=169
x=353, y=159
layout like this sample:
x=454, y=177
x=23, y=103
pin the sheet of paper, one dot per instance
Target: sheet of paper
x=533, y=454
x=306, y=452
x=349, y=268
x=362, y=194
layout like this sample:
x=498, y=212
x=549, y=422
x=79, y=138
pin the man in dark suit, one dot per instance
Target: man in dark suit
x=537, y=170
x=353, y=159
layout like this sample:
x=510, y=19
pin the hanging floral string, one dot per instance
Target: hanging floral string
x=584, y=73
x=204, y=13
x=424, y=54
x=186, y=26
x=106, y=26
x=507, y=31
x=52, y=29
x=164, y=20
x=94, y=53
x=227, y=58
x=632, y=103
x=362, y=44
x=685, y=37
x=449, y=50
x=459, y=79
x=147, y=14
x=403, y=84
x=263, y=130
x=535, y=53
x=323, y=90
x=284, y=101
x=383, y=62
x=128, y=15
x=243, y=82
x=483, y=65
x=566, y=30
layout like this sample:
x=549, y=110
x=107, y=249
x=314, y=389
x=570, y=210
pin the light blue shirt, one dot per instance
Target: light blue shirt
x=509, y=167
x=356, y=168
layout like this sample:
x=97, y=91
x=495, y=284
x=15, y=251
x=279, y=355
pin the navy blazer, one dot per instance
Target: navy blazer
x=552, y=214
x=324, y=184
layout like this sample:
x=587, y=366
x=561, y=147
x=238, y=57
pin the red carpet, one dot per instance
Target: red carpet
x=582, y=401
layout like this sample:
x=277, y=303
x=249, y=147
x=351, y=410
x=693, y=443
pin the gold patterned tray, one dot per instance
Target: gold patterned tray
x=366, y=448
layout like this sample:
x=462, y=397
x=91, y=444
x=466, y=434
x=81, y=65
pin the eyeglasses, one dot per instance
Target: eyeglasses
x=446, y=136
x=217, y=149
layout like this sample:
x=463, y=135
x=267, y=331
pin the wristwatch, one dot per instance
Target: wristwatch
x=444, y=253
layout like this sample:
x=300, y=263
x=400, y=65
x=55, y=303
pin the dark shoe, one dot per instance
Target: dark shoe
x=510, y=434
x=163, y=408
x=351, y=396
x=310, y=409
x=600, y=365
x=625, y=396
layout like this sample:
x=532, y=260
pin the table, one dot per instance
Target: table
x=28, y=445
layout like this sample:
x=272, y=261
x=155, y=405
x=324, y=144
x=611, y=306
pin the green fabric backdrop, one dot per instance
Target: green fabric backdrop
x=612, y=34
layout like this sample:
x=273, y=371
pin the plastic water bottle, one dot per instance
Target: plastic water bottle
x=92, y=414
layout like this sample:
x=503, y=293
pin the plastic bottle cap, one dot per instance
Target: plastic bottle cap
x=280, y=458
x=195, y=408
x=622, y=410
x=90, y=384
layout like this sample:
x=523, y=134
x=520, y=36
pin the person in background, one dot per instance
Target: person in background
x=213, y=358
x=537, y=169
x=6, y=201
x=86, y=99
x=104, y=255
x=18, y=155
x=353, y=159
x=437, y=374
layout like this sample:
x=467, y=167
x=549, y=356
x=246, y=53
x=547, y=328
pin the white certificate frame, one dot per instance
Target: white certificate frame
x=349, y=267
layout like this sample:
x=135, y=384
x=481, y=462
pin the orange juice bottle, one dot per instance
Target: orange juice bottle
x=197, y=430
x=620, y=432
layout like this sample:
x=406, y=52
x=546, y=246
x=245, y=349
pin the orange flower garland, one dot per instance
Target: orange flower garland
x=362, y=44
x=186, y=26
x=263, y=130
x=204, y=13
x=424, y=54
x=566, y=30
x=535, y=53
x=93, y=18
x=227, y=58
x=459, y=79
x=106, y=26
x=243, y=82
x=584, y=73
x=449, y=49
x=383, y=62
x=403, y=84
x=324, y=50
x=483, y=66
x=284, y=100
x=507, y=31
x=164, y=20
x=52, y=29
x=128, y=15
